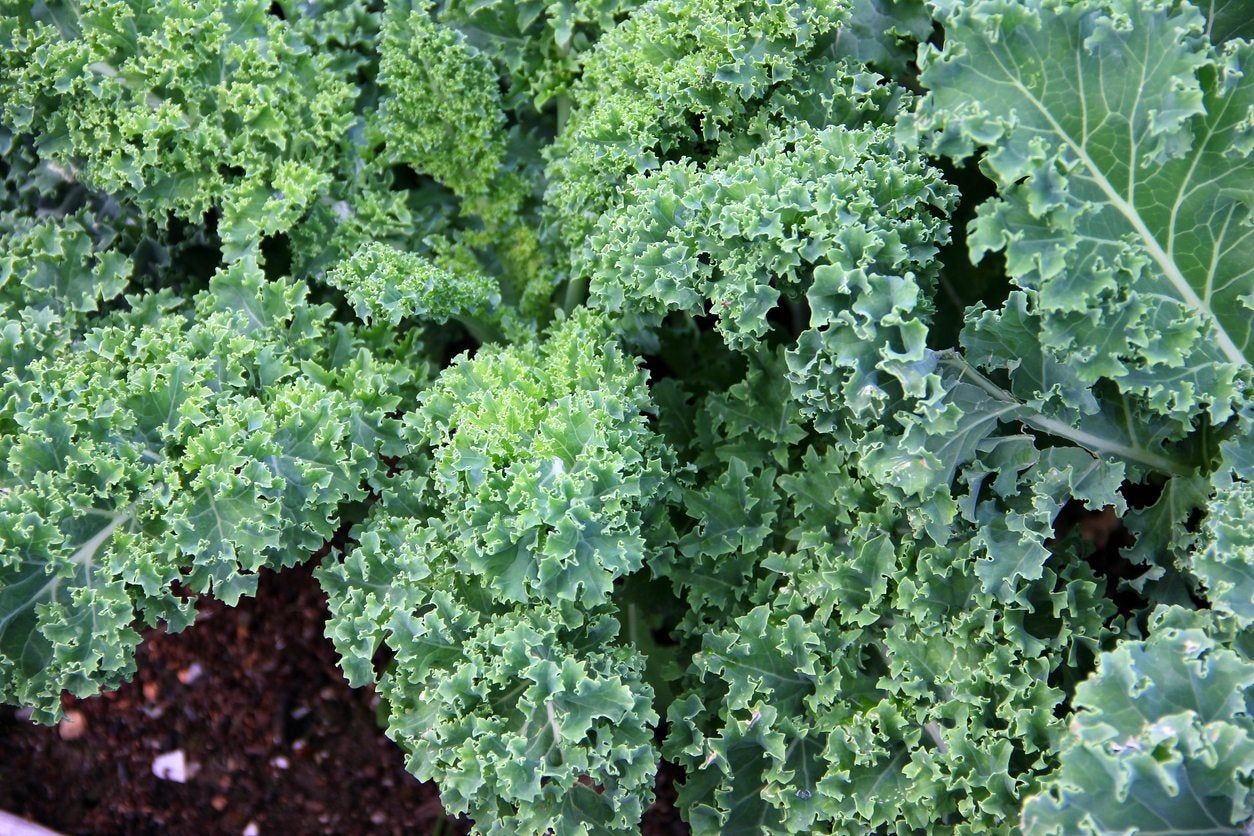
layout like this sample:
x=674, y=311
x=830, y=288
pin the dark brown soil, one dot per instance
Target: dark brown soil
x=275, y=740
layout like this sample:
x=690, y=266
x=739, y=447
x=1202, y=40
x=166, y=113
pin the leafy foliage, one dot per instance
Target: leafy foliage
x=171, y=447
x=487, y=569
x=849, y=401
x=1123, y=206
x=381, y=282
x=536, y=46
x=855, y=677
x=185, y=107
x=1162, y=738
x=666, y=68
x=440, y=109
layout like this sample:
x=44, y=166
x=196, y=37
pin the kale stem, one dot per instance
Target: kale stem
x=1096, y=444
x=482, y=332
x=576, y=294
x=563, y=111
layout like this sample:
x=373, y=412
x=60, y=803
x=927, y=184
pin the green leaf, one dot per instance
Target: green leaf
x=1162, y=741
x=1224, y=562
x=1116, y=136
x=440, y=109
x=65, y=619
x=197, y=107
x=383, y=283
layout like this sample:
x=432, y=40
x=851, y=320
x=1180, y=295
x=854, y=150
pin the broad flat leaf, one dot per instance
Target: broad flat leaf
x=1147, y=794
x=884, y=33
x=1118, y=137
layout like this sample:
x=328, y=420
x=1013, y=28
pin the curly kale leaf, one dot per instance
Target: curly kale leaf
x=55, y=274
x=186, y=107
x=1118, y=138
x=1224, y=562
x=169, y=447
x=848, y=675
x=1162, y=740
x=844, y=218
x=530, y=717
x=1009, y=436
x=384, y=283
x=673, y=76
x=538, y=45
x=541, y=463
x=439, y=105
x=487, y=568
x=884, y=34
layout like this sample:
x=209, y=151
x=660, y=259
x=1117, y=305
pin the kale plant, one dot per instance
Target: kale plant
x=730, y=383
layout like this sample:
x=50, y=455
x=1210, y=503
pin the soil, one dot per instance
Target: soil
x=273, y=738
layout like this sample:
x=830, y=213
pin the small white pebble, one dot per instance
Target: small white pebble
x=251, y=829
x=280, y=762
x=172, y=766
